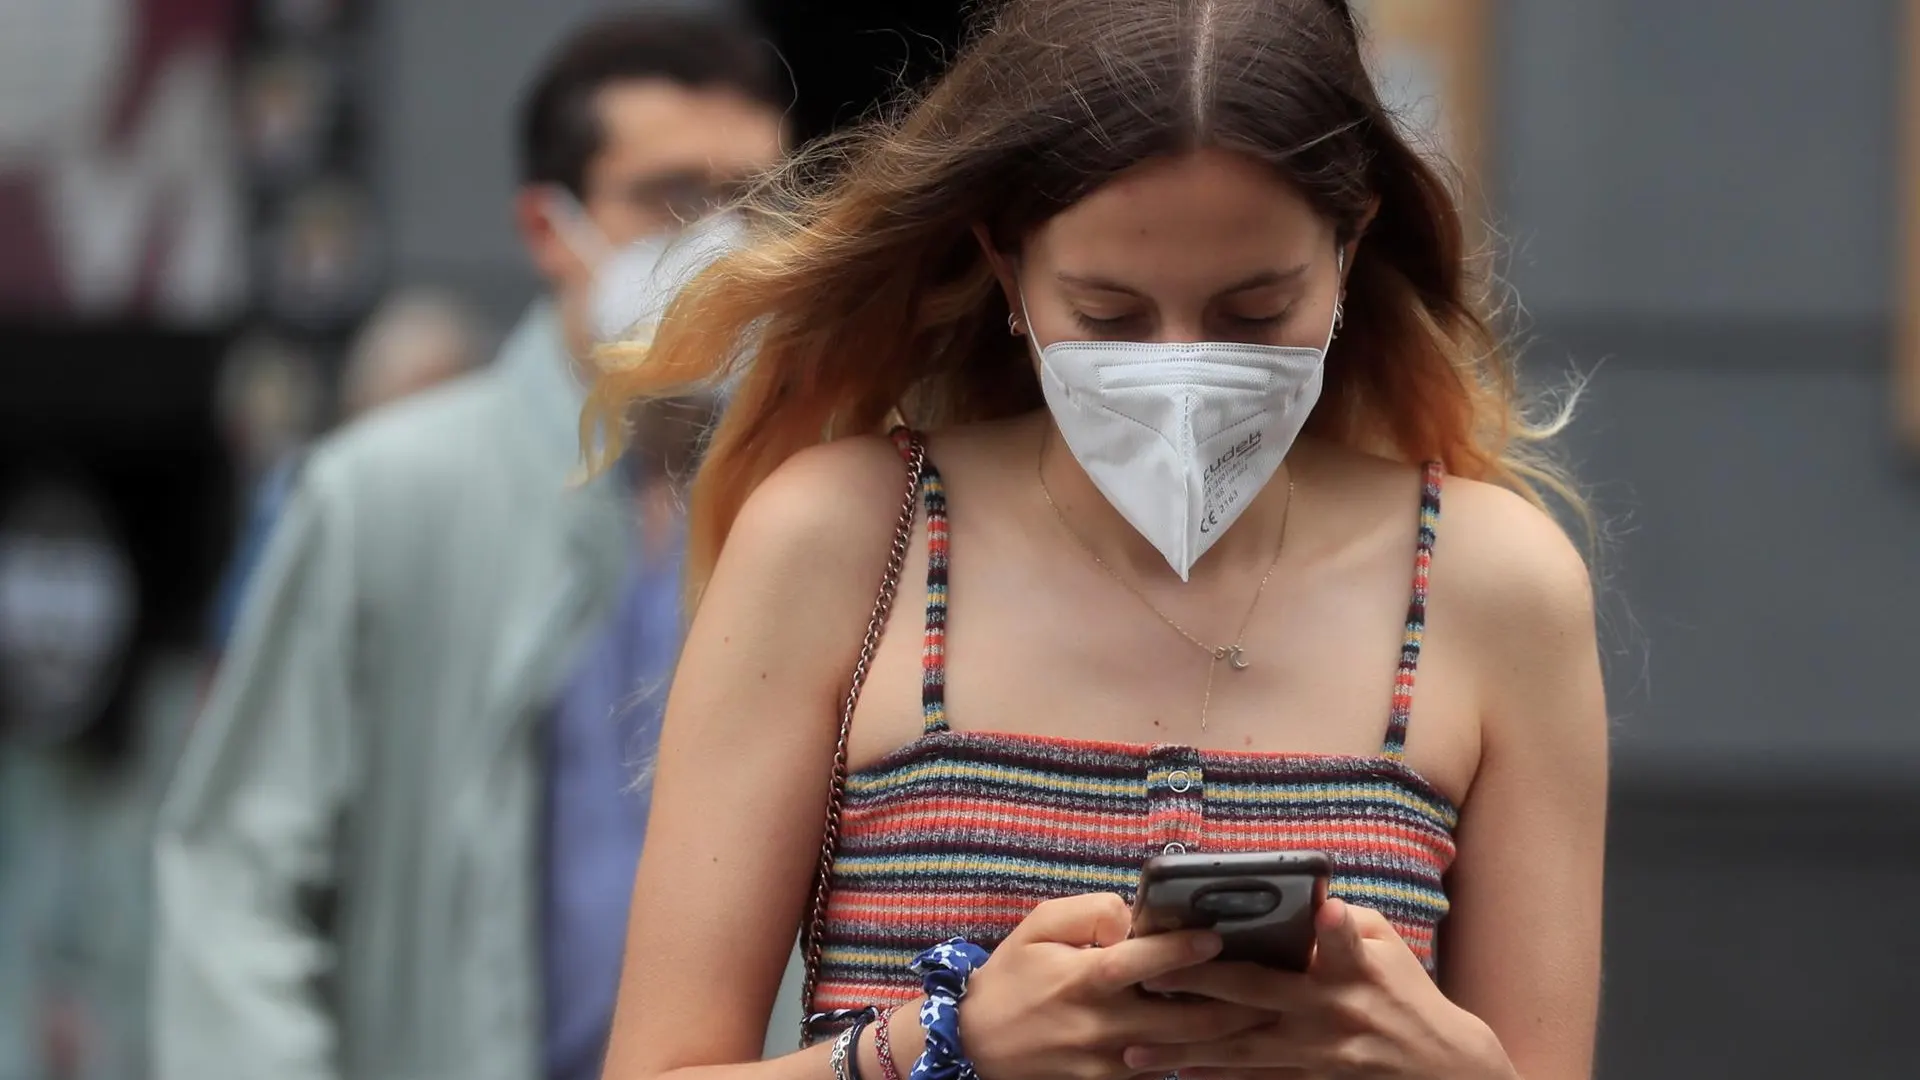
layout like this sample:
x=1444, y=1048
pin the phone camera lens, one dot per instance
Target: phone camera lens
x=1238, y=902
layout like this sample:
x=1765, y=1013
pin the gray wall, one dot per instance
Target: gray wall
x=1700, y=198
x=1707, y=158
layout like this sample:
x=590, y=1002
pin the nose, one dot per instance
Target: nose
x=1180, y=330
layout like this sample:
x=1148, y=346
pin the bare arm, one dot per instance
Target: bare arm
x=741, y=782
x=1522, y=947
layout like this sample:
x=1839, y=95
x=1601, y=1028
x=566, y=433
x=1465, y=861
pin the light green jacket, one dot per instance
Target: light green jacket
x=348, y=866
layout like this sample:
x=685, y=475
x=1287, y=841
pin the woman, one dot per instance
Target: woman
x=1179, y=556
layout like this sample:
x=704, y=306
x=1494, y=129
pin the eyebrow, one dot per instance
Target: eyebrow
x=1260, y=280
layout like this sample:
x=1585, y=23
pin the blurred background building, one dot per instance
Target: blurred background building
x=1699, y=203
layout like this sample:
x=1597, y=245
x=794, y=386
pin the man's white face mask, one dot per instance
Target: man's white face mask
x=633, y=284
x=1180, y=437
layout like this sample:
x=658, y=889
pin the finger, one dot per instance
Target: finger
x=1372, y=925
x=1253, y=1074
x=1136, y=960
x=1151, y=1022
x=1269, y=1047
x=1092, y=919
x=1339, y=951
x=1244, y=984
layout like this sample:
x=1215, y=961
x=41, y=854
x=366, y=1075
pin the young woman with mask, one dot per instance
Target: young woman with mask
x=1191, y=336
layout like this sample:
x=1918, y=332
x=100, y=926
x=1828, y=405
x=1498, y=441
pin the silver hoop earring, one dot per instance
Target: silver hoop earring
x=1339, y=314
x=1013, y=323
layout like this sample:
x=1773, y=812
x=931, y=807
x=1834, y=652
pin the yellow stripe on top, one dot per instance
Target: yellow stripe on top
x=1060, y=783
x=862, y=866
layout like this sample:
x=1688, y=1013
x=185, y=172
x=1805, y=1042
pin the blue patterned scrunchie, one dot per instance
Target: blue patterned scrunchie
x=944, y=970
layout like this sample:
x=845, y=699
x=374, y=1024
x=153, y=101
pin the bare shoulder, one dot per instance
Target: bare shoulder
x=1515, y=588
x=1505, y=578
x=829, y=509
x=1507, y=566
x=797, y=575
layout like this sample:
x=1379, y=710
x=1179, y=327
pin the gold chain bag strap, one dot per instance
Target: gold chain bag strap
x=814, y=929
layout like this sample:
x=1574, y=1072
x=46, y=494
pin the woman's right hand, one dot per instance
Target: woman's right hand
x=1060, y=998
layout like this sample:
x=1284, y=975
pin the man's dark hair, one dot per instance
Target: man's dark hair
x=560, y=127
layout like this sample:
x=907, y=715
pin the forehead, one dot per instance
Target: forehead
x=1207, y=209
x=658, y=126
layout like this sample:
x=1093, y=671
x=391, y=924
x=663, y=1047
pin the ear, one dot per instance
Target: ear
x=1002, y=268
x=557, y=233
x=533, y=219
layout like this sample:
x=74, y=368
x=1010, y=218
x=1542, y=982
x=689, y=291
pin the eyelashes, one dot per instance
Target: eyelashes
x=1120, y=324
x=1104, y=326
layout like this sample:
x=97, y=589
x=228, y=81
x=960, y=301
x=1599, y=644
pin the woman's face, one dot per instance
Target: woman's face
x=1209, y=246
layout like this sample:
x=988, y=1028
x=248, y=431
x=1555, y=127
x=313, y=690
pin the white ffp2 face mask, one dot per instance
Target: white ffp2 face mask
x=632, y=285
x=1180, y=437
x=632, y=288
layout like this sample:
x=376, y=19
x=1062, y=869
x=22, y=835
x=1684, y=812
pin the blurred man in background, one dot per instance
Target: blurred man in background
x=401, y=838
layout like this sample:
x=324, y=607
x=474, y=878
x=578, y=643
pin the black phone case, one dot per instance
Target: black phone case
x=1200, y=891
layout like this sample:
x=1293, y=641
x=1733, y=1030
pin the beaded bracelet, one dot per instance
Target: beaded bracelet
x=883, y=1045
x=944, y=970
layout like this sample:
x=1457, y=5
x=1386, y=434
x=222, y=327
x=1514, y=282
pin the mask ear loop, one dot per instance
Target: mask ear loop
x=1019, y=326
x=576, y=229
x=1340, y=300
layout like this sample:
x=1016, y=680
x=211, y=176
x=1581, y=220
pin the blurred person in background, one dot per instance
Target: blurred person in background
x=417, y=339
x=403, y=833
x=269, y=403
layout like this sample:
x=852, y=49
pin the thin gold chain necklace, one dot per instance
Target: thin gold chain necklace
x=1235, y=655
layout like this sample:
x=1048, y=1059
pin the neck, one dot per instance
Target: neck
x=1248, y=546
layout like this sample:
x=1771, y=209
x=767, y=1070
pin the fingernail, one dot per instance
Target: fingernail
x=1154, y=986
x=1138, y=1057
x=1207, y=945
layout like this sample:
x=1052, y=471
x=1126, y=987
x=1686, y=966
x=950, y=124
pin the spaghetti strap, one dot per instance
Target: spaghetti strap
x=1395, y=747
x=933, y=663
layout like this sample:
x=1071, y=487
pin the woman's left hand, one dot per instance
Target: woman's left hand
x=1365, y=1008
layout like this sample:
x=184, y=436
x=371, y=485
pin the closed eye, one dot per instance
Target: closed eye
x=1260, y=322
x=1104, y=326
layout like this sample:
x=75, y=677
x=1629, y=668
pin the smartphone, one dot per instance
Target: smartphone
x=1261, y=904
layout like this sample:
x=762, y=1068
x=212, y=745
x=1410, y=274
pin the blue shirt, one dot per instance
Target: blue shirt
x=601, y=740
x=268, y=501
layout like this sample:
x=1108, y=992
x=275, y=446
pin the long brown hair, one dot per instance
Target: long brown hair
x=864, y=292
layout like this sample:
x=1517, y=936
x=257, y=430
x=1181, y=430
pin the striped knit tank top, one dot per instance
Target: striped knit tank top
x=962, y=833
